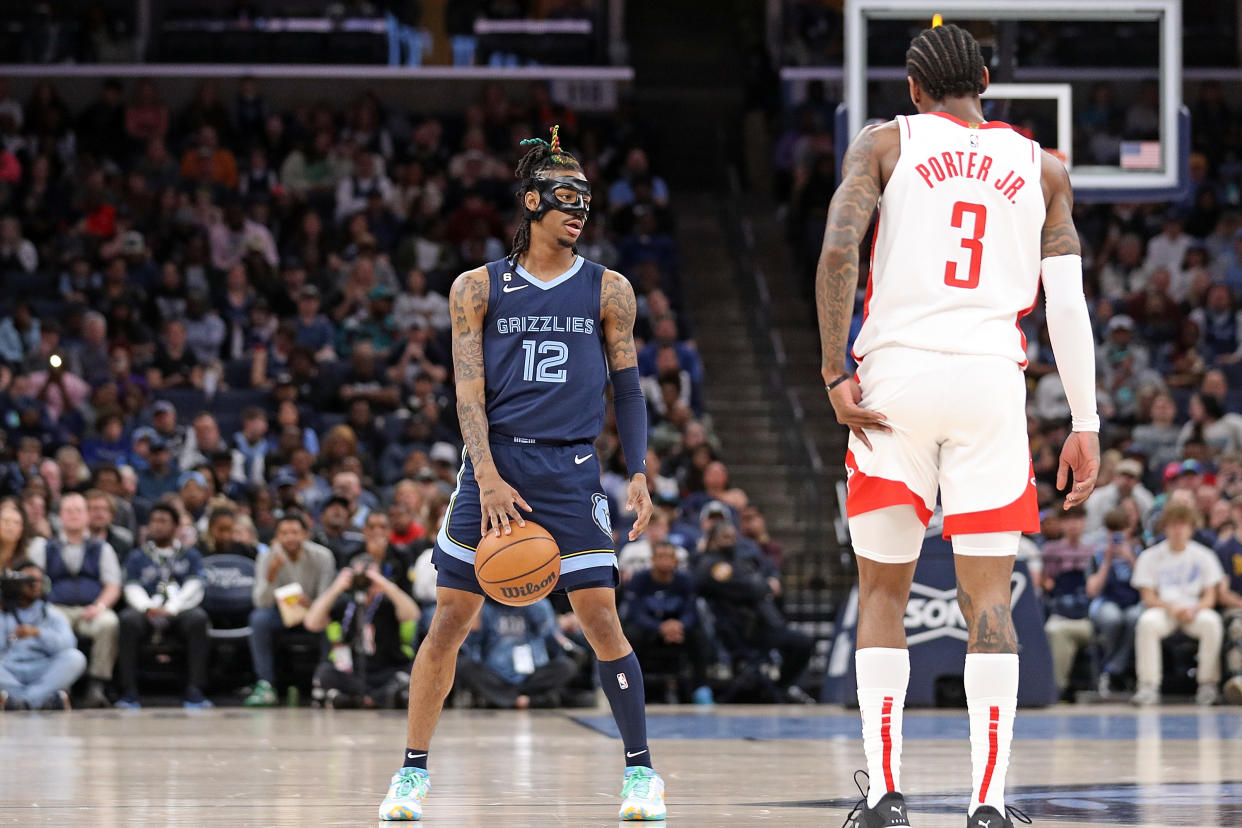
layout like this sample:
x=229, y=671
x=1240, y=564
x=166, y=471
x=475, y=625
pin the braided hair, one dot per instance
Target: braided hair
x=946, y=62
x=542, y=156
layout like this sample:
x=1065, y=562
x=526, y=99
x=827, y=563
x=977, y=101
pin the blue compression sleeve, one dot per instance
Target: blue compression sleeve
x=631, y=409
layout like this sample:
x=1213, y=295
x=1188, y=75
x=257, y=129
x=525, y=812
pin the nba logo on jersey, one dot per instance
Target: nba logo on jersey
x=622, y=682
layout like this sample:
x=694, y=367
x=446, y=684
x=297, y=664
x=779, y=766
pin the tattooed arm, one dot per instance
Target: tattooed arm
x=468, y=307
x=836, y=277
x=617, y=311
x=1069, y=329
x=618, y=308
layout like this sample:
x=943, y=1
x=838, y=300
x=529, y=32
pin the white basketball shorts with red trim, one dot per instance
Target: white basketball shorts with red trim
x=959, y=427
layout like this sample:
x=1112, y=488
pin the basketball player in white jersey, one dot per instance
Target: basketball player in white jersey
x=973, y=216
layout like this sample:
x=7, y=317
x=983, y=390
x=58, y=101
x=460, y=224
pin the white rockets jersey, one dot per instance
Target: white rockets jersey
x=957, y=248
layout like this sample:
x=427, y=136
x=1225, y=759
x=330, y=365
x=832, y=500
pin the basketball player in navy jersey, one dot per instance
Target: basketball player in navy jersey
x=536, y=338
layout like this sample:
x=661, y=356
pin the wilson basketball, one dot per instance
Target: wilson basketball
x=519, y=568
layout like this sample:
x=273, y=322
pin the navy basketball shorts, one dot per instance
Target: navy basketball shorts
x=561, y=484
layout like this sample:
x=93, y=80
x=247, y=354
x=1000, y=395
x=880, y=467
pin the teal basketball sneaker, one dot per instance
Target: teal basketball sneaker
x=642, y=795
x=404, y=802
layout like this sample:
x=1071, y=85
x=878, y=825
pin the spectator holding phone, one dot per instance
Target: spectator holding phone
x=1115, y=604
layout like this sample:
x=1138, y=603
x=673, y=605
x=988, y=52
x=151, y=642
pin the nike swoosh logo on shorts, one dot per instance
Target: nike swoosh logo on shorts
x=511, y=288
x=581, y=460
x=629, y=755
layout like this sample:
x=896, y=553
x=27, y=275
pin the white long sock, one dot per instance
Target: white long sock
x=883, y=674
x=991, y=681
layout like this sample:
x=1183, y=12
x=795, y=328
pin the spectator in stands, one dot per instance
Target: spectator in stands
x=101, y=520
x=367, y=177
x=1115, y=604
x=1229, y=550
x=250, y=445
x=17, y=254
x=19, y=334
x=291, y=559
x=39, y=659
x=1158, y=439
x=417, y=301
x=514, y=659
x=754, y=527
x=715, y=484
x=314, y=331
x=161, y=476
x=146, y=119
x=208, y=163
x=370, y=625
x=1179, y=581
x=110, y=445
x=662, y=619
x=1125, y=483
x=85, y=578
x=637, y=165
x=234, y=237
x=1220, y=323
x=164, y=588
x=14, y=536
x=1064, y=582
x=1210, y=424
x=636, y=555
x=738, y=590
x=220, y=537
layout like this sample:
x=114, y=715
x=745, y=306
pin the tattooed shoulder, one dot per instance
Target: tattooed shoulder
x=1059, y=236
x=616, y=299
x=469, y=293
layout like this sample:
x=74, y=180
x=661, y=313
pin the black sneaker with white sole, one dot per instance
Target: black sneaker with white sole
x=889, y=812
x=988, y=817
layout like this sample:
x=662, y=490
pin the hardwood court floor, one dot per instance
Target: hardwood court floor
x=732, y=765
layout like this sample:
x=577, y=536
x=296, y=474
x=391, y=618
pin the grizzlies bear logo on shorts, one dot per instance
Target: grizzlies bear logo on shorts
x=599, y=512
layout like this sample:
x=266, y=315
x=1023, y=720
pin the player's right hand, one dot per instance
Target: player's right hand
x=498, y=503
x=845, y=398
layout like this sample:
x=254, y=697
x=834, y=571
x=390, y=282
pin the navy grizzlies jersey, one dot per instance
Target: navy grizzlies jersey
x=543, y=354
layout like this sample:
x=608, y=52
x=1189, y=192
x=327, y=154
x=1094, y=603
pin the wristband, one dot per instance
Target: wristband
x=838, y=381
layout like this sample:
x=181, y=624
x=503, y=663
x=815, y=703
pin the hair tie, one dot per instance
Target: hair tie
x=556, y=139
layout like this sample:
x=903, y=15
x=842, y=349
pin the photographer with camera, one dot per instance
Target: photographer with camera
x=164, y=587
x=86, y=584
x=39, y=657
x=369, y=621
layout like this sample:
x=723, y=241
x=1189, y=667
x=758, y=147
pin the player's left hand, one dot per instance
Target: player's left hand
x=638, y=499
x=1081, y=454
x=845, y=398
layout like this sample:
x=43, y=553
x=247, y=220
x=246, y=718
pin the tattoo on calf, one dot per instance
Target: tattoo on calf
x=991, y=628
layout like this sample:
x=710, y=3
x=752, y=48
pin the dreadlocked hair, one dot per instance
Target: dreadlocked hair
x=541, y=157
x=946, y=62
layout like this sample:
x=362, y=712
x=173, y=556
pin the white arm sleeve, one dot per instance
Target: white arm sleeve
x=1069, y=328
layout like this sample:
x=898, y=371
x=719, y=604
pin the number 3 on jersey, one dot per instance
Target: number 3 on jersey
x=973, y=243
x=555, y=353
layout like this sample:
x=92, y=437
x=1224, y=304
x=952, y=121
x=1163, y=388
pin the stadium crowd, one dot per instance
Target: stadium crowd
x=226, y=396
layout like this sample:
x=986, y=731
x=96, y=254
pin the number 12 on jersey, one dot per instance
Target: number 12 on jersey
x=973, y=243
x=554, y=353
